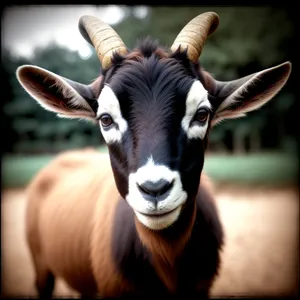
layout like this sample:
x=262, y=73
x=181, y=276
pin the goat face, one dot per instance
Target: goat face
x=155, y=109
x=154, y=115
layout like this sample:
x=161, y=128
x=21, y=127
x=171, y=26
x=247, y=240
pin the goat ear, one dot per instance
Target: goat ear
x=65, y=97
x=234, y=99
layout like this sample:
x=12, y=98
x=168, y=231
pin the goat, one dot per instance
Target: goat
x=141, y=222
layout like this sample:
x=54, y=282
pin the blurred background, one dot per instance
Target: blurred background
x=248, y=40
x=257, y=156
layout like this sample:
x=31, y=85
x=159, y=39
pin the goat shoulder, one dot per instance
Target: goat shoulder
x=61, y=205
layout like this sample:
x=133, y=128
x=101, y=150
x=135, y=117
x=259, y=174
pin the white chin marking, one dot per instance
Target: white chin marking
x=169, y=207
x=196, y=98
x=159, y=222
x=109, y=103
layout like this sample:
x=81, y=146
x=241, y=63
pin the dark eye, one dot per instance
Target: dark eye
x=201, y=115
x=106, y=120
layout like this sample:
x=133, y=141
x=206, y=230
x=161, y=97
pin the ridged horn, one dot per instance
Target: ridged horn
x=194, y=34
x=101, y=35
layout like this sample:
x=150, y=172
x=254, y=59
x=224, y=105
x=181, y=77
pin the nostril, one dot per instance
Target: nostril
x=165, y=188
x=156, y=188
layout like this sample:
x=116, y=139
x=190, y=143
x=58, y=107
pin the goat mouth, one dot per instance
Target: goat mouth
x=160, y=221
x=159, y=215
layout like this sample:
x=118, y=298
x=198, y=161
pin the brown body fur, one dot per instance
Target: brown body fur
x=71, y=209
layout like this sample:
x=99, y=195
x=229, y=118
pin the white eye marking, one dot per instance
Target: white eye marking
x=109, y=104
x=143, y=207
x=196, y=98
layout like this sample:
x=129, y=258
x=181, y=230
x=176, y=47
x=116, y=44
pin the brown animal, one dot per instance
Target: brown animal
x=145, y=223
x=76, y=220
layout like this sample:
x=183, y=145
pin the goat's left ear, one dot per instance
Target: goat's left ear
x=234, y=99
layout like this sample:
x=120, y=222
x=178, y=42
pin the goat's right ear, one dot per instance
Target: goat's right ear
x=67, y=98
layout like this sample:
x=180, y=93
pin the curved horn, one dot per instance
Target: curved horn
x=102, y=37
x=195, y=33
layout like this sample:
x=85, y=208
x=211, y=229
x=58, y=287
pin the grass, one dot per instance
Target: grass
x=270, y=168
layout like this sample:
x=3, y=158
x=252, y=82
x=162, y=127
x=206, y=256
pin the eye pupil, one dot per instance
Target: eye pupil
x=106, y=120
x=202, y=116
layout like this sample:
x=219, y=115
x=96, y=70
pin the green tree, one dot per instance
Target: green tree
x=247, y=40
x=34, y=129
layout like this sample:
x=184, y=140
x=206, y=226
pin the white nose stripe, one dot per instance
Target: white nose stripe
x=152, y=172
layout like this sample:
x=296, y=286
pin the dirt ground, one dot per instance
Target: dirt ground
x=260, y=257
